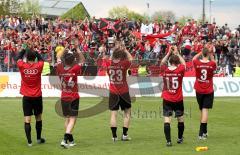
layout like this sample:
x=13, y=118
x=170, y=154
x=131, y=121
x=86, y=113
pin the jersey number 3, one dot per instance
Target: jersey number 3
x=203, y=74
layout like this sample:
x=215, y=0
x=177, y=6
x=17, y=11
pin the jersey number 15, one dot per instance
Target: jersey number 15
x=174, y=84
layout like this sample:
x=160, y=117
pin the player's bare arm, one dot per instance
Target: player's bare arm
x=210, y=49
x=164, y=60
x=129, y=56
x=39, y=57
x=81, y=56
x=197, y=56
x=176, y=52
x=21, y=55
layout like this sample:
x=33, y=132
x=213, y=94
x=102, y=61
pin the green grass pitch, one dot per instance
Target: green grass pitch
x=93, y=135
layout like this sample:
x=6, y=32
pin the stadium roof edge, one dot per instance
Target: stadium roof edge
x=59, y=7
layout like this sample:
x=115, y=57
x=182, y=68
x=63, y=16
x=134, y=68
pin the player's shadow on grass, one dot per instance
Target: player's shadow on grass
x=99, y=108
x=102, y=106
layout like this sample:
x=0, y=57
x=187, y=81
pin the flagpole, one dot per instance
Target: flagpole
x=148, y=10
x=210, y=10
x=203, y=15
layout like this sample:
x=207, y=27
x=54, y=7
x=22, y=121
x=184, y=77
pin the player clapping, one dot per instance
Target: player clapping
x=31, y=90
x=205, y=66
x=172, y=92
x=119, y=96
x=68, y=70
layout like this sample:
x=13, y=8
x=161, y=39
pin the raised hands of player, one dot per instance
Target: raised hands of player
x=38, y=56
x=175, y=50
x=170, y=51
x=76, y=44
x=80, y=54
x=210, y=48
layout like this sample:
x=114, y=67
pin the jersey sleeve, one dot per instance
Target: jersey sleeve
x=182, y=69
x=57, y=69
x=107, y=62
x=20, y=63
x=127, y=64
x=214, y=66
x=78, y=69
x=195, y=62
x=40, y=66
x=104, y=62
x=163, y=68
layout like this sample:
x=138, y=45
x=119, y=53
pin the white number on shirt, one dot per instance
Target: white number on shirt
x=174, y=83
x=116, y=75
x=204, y=74
x=65, y=84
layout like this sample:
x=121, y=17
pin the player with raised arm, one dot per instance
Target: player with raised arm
x=68, y=70
x=172, y=92
x=117, y=67
x=31, y=90
x=205, y=66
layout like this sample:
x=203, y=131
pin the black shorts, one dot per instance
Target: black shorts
x=205, y=100
x=169, y=107
x=70, y=108
x=32, y=105
x=116, y=101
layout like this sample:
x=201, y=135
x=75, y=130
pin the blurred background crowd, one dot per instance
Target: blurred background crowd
x=147, y=41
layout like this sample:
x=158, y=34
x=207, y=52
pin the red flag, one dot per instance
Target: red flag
x=109, y=24
x=152, y=37
x=137, y=34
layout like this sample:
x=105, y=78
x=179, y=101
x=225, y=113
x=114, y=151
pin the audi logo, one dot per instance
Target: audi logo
x=30, y=71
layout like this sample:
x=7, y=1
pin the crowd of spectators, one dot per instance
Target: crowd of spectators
x=147, y=41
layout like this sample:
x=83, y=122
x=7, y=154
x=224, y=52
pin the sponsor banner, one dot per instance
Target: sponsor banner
x=91, y=86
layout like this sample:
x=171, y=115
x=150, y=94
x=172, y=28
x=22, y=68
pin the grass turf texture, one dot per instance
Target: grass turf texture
x=93, y=135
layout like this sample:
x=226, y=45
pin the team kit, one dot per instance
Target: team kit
x=172, y=68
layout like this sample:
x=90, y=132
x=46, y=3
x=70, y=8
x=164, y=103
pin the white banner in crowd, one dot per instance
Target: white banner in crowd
x=99, y=86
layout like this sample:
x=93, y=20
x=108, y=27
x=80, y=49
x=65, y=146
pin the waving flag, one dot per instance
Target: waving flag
x=151, y=38
x=109, y=24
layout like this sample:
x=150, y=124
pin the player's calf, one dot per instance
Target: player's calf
x=27, y=127
x=167, y=132
x=180, y=132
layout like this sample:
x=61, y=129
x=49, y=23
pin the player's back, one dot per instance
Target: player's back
x=68, y=79
x=31, y=78
x=172, y=80
x=204, y=76
x=117, y=71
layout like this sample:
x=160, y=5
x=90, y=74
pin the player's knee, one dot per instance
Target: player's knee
x=38, y=117
x=167, y=120
x=127, y=115
x=27, y=119
x=127, y=112
x=180, y=119
x=114, y=114
x=72, y=119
